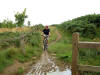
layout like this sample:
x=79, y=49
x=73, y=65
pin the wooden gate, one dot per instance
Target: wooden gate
x=76, y=45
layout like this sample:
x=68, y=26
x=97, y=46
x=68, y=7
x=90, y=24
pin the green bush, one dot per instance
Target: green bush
x=87, y=56
x=7, y=24
x=20, y=71
x=5, y=59
x=87, y=25
x=34, y=39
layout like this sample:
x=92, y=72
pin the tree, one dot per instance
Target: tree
x=0, y=25
x=20, y=18
x=29, y=23
x=7, y=24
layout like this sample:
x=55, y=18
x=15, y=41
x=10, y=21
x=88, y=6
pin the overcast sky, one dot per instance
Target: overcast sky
x=48, y=11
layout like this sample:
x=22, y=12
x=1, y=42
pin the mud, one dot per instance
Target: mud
x=46, y=66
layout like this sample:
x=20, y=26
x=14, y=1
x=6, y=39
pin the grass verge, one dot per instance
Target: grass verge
x=62, y=48
x=8, y=55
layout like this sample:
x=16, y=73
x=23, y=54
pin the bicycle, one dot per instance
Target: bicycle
x=45, y=46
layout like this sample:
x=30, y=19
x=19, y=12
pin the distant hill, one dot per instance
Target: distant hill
x=87, y=26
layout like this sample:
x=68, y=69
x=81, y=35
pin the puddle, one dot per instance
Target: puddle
x=46, y=66
x=53, y=71
x=58, y=72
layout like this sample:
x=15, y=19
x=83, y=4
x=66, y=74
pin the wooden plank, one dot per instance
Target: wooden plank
x=75, y=39
x=89, y=68
x=89, y=45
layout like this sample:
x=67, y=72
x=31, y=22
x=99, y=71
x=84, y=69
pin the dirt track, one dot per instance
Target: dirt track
x=45, y=64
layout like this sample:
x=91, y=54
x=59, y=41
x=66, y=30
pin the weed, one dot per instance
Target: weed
x=20, y=71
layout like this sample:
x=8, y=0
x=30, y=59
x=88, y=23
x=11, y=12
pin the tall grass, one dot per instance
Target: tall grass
x=89, y=57
x=53, y=34
x=8, y=55
x=89, y=73
x=62, y=48
x=11, y=51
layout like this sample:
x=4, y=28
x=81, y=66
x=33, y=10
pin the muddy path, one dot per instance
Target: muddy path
x=58, y=37
x=46, y=63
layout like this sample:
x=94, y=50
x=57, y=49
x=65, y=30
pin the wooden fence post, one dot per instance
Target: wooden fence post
x=75, y=40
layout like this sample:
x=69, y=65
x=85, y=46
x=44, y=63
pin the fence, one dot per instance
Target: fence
x=76, y=45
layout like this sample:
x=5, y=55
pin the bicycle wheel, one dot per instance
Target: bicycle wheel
x=44, y=42
x=45, y=45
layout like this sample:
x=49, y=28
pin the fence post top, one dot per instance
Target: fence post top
x=75, y=33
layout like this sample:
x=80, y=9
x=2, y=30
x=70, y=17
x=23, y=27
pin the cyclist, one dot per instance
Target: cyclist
x=46, y=31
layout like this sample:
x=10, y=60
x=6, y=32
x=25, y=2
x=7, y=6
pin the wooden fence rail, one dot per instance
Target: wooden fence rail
x=76, y=45
x=89, y=44
x=89, y=68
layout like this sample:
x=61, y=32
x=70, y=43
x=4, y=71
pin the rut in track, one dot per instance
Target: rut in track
x=46, y=63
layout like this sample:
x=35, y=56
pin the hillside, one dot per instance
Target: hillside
x=87, y=26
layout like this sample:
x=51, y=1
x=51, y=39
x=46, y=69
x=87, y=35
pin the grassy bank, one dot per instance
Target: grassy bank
x=8, y=55
x=63, y=47
x=53, y=34
x=11, y=51
x=63, y=50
